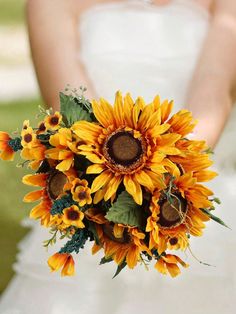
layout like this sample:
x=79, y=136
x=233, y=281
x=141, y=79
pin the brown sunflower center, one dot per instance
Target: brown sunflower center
x=123, y=150
x=56, y=183
x=28, y=138
x=172, y=213
x=72, y=215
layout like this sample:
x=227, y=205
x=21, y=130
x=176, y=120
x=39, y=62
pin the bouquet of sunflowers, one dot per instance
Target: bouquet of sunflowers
x=125, y=177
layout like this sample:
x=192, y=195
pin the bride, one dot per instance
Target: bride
x=182, y=50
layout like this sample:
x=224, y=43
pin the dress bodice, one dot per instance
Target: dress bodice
x=142, y=48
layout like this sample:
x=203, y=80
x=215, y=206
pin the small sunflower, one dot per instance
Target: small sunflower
x=29, y=138
x=81, y=193
x=52, y=184
x=72, y=216
x=32, y=150
x=122, y=245
x=129, y=145
x=41, y=128
x=52, y=122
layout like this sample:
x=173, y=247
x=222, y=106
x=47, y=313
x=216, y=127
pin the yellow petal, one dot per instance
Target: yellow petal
x=101, y=180
x=173, y=270
x=160, y=266
x=35, y=180
x=143, y=179
x=131, y=188
x=166, y=108
x=33, y=196
x=118, y=109
x=65, y=165
x=112, y=187
x=95, y=169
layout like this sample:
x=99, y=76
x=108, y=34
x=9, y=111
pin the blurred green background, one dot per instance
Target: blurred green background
x=12, y=11
x=18, y=101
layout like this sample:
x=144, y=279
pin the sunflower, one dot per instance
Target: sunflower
x=64, y=261
x=182, y=122
x=6, y=151
x=52, y=184
x=175, y=213
x=52, y=122
x=129, y=145
x=122, y=244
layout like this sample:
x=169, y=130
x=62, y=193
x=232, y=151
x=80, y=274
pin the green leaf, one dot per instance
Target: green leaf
x=213, y=217
x=125, y=211
x=105, y=260
x=119, y=268
x=72, y=110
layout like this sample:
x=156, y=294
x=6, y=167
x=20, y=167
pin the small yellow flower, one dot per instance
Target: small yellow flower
x=64, y=261
x=25, y=125
x=29, y=139
x=41, y=128
x=81, y=193
x=73, y=216
x=52, y=122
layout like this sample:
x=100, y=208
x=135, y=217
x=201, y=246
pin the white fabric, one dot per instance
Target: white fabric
x=144, y=49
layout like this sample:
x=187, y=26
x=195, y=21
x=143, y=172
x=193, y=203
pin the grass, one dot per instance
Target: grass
x=11, y=12
x=12, y=209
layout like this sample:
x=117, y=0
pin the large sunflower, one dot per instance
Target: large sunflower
x=129, y=144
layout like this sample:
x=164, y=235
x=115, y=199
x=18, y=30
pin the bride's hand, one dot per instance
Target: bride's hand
x=210, y=96
x=54, y=39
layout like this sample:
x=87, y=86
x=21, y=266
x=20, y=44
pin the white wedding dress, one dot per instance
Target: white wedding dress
x=147, y=50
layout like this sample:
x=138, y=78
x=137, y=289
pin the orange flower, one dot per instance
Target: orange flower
x=52, y=187
x=64, y=261
x=182, y=122
x=32, y=150
x=41, y=128
x=128, y=248
x=169, y=264
x=6, y=151
x=72, y=216
x=42, y=210
x=129, y=145
x=81, y=193
x=29, y=138
x=52, y=122
x=64, y=150
x=195, y=193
